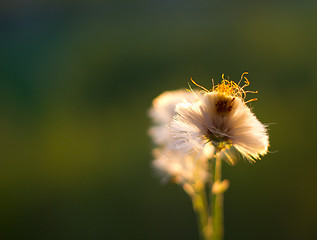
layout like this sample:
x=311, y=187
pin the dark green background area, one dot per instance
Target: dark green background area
x=77, y=79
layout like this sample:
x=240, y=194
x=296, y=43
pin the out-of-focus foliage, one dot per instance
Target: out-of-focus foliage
x=76, y=80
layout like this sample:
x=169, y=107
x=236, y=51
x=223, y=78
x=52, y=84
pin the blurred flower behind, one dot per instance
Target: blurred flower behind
x=169, y=159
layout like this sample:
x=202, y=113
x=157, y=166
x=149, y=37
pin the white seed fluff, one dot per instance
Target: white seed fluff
x=217, y=117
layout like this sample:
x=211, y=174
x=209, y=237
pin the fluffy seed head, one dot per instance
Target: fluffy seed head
x=221, y=117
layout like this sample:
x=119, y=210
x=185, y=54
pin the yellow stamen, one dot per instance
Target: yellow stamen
x=230, y=88
x=251, y=100
x=199, y=85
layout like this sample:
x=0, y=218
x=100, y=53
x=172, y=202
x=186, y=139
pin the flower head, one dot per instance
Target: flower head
x=221, y=117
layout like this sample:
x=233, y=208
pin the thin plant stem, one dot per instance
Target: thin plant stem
x=207, y=228
x=210, y=195
x=200, y=205
x=210, y=183
x=217, y=202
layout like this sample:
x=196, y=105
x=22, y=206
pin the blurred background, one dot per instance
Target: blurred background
x=77, y=79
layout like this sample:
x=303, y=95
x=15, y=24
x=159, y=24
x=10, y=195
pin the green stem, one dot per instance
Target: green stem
x=207, y=217
x=217, y=203
x=210, y=183
x=200, y=204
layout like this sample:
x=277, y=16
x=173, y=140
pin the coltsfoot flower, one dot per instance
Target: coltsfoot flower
x=221, y=117
x=193, y=132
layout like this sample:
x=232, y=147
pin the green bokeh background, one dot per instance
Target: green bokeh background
x=77, y=79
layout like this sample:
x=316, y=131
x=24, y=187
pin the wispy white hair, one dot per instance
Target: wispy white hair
x=216, y=116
